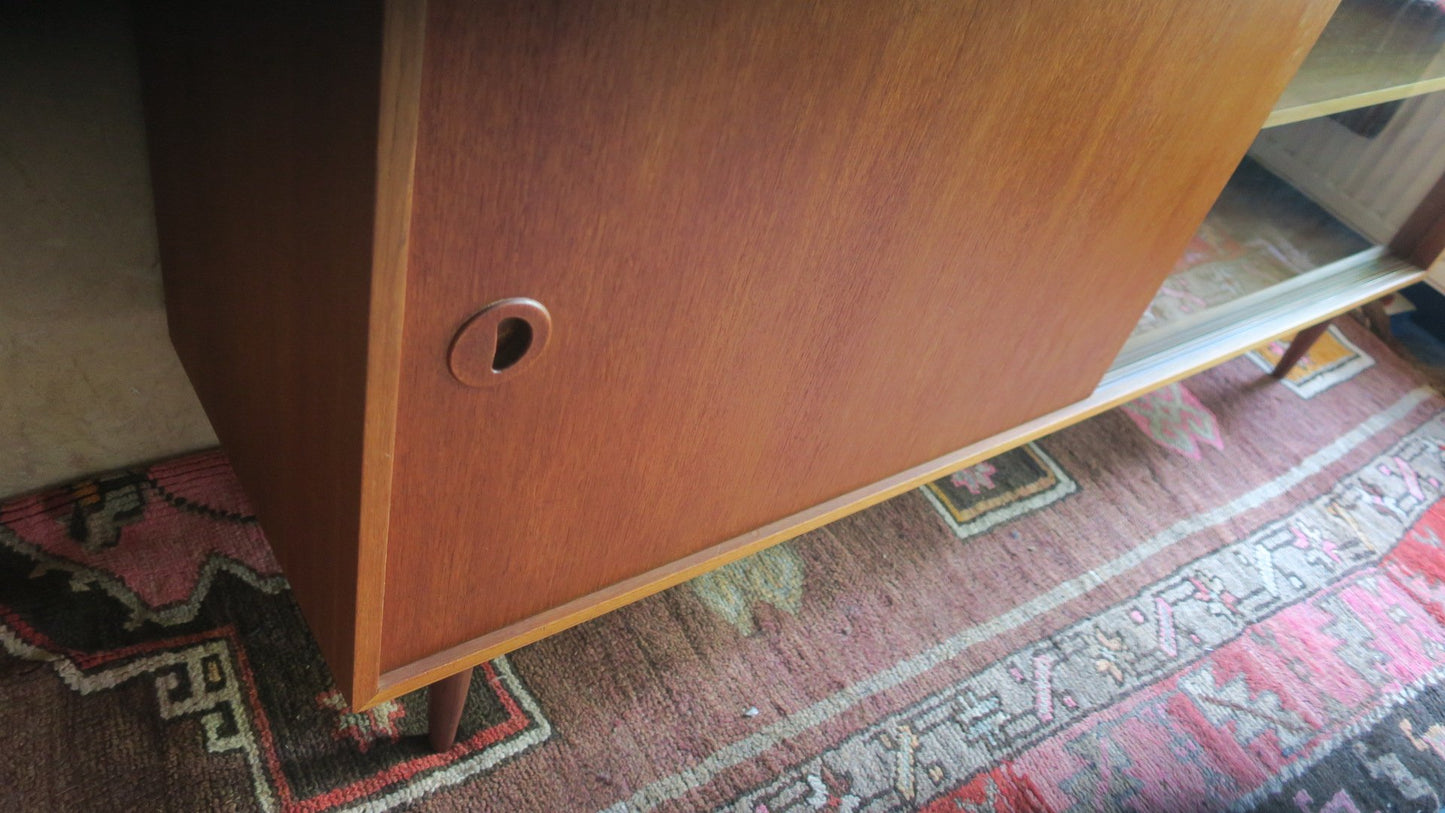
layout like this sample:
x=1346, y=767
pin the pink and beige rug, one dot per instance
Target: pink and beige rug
x=1229, y=594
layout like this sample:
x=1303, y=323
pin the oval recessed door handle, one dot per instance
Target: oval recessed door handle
x=499, y=341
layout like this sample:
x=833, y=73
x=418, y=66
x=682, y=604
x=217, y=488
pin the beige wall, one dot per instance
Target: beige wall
x=88, y=380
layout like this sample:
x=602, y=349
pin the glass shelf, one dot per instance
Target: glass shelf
x=1372, y=51
x=1190, y=344
x=1260, y=232
x=1296, y=237
x=1354, y=146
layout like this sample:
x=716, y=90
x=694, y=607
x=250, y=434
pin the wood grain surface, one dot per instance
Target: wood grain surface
x=262, y=119
x=1422, y=238
x=1236, y=328
x=789, y=250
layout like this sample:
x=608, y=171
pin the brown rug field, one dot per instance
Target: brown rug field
x=1229, y=594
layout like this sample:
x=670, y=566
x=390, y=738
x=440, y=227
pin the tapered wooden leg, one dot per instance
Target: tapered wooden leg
x=1297, y=348
x=444, y=703
x=1376, y=319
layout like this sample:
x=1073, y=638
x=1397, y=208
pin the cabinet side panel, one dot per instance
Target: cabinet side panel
x=788, y=249
x=262, y=123
x=1422, y=238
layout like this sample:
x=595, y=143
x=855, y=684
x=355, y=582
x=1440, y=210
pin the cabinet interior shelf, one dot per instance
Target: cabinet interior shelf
x=1270, y=259
x=1372, y=52
x=1266, y=263
x=1189, y=345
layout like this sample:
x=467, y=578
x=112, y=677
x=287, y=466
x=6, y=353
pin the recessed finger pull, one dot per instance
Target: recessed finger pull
x=500, y=341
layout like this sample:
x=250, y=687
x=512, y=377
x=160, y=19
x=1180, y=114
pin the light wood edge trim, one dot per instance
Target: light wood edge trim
x=403, y=34
x=1122, y=388
x=1327, y=107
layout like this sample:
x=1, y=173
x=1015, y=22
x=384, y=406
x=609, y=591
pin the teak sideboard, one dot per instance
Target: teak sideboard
x=511, y=313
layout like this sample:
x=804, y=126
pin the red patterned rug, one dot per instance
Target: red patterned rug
x=1228, y=594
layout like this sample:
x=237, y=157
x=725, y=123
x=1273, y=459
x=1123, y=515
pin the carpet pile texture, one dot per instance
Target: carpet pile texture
x=1227, y=594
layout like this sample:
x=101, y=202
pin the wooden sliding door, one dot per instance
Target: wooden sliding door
x=775, y=252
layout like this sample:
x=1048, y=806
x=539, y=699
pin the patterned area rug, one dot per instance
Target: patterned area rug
x=1229, y=594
